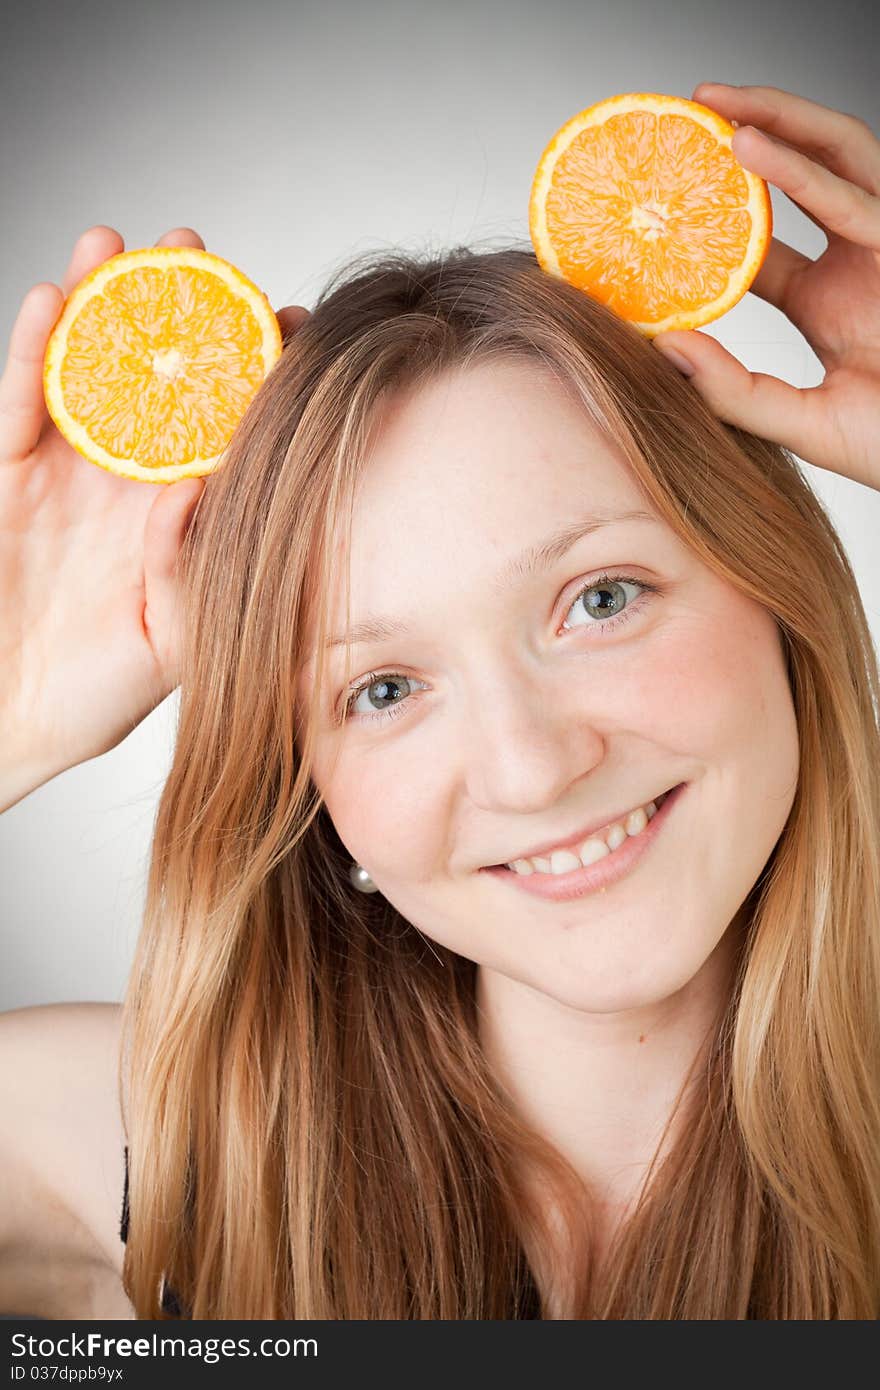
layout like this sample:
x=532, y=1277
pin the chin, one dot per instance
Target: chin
x=589, y=999
x=616, y=983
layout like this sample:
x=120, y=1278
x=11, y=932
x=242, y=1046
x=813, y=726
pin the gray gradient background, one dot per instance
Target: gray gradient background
x=291, y=136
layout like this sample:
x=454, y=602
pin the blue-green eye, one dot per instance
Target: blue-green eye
x=386, y=692
x=605, y=598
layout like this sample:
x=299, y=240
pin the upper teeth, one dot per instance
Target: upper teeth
x=600, y=843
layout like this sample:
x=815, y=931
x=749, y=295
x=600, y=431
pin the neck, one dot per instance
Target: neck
x=603, y=1087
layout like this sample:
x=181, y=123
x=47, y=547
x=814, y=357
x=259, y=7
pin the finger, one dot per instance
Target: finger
x=291, y=317
x=99, y=243
x=94, y=247
x=22, y=403
x=816, y=221
x=787, y=415
x=167, y=523
x=844, y=143
x=840, y=206
x=181, y=236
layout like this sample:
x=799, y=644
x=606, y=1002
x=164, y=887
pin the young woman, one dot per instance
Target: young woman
x=512, y=939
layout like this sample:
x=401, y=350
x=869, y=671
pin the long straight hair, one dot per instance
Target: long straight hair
x=314, y=1131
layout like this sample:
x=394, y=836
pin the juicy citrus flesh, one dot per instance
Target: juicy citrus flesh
x=640, y=202
x=154, y=360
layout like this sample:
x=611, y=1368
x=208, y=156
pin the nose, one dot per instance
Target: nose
x=526, y=739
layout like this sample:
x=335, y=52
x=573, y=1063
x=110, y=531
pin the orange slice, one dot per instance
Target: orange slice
x=640, y=202
x=154, y=360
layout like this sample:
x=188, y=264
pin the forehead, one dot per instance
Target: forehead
x=480, y=461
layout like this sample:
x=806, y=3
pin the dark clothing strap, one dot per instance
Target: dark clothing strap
x=170, y=1301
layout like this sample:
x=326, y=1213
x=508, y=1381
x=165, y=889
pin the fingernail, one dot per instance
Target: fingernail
x=678, y=360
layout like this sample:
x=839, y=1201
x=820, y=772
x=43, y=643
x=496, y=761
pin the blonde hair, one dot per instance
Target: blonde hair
x=313, y=1129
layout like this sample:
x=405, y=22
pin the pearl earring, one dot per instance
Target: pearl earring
x=361, y=880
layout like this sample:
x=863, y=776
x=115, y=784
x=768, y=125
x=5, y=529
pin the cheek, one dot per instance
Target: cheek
x=387, y=809
x=714, y=675
x=722, y=700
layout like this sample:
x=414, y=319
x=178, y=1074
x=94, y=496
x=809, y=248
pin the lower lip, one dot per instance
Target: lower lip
x=594, y=877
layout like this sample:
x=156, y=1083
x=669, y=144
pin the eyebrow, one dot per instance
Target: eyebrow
x=536, y=559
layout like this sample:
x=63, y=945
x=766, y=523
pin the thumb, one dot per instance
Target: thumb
x=752, y=401
x=168, y=521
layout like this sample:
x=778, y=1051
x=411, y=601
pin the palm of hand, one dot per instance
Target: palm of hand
x=836, y=306
x=835, y=302
x=84, y=653
x=76, y=520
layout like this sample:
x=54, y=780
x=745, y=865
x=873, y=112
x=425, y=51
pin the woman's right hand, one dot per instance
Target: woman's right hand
x=87, y=566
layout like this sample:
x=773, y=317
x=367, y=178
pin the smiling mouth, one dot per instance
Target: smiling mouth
x=569, y=877
x=594, y=846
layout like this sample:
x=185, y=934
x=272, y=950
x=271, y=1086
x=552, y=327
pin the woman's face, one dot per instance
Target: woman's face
x=512, y=712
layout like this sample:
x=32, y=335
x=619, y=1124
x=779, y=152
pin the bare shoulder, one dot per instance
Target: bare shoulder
x=62, y=1158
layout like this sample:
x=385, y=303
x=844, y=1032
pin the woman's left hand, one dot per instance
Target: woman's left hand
x=828, y=163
